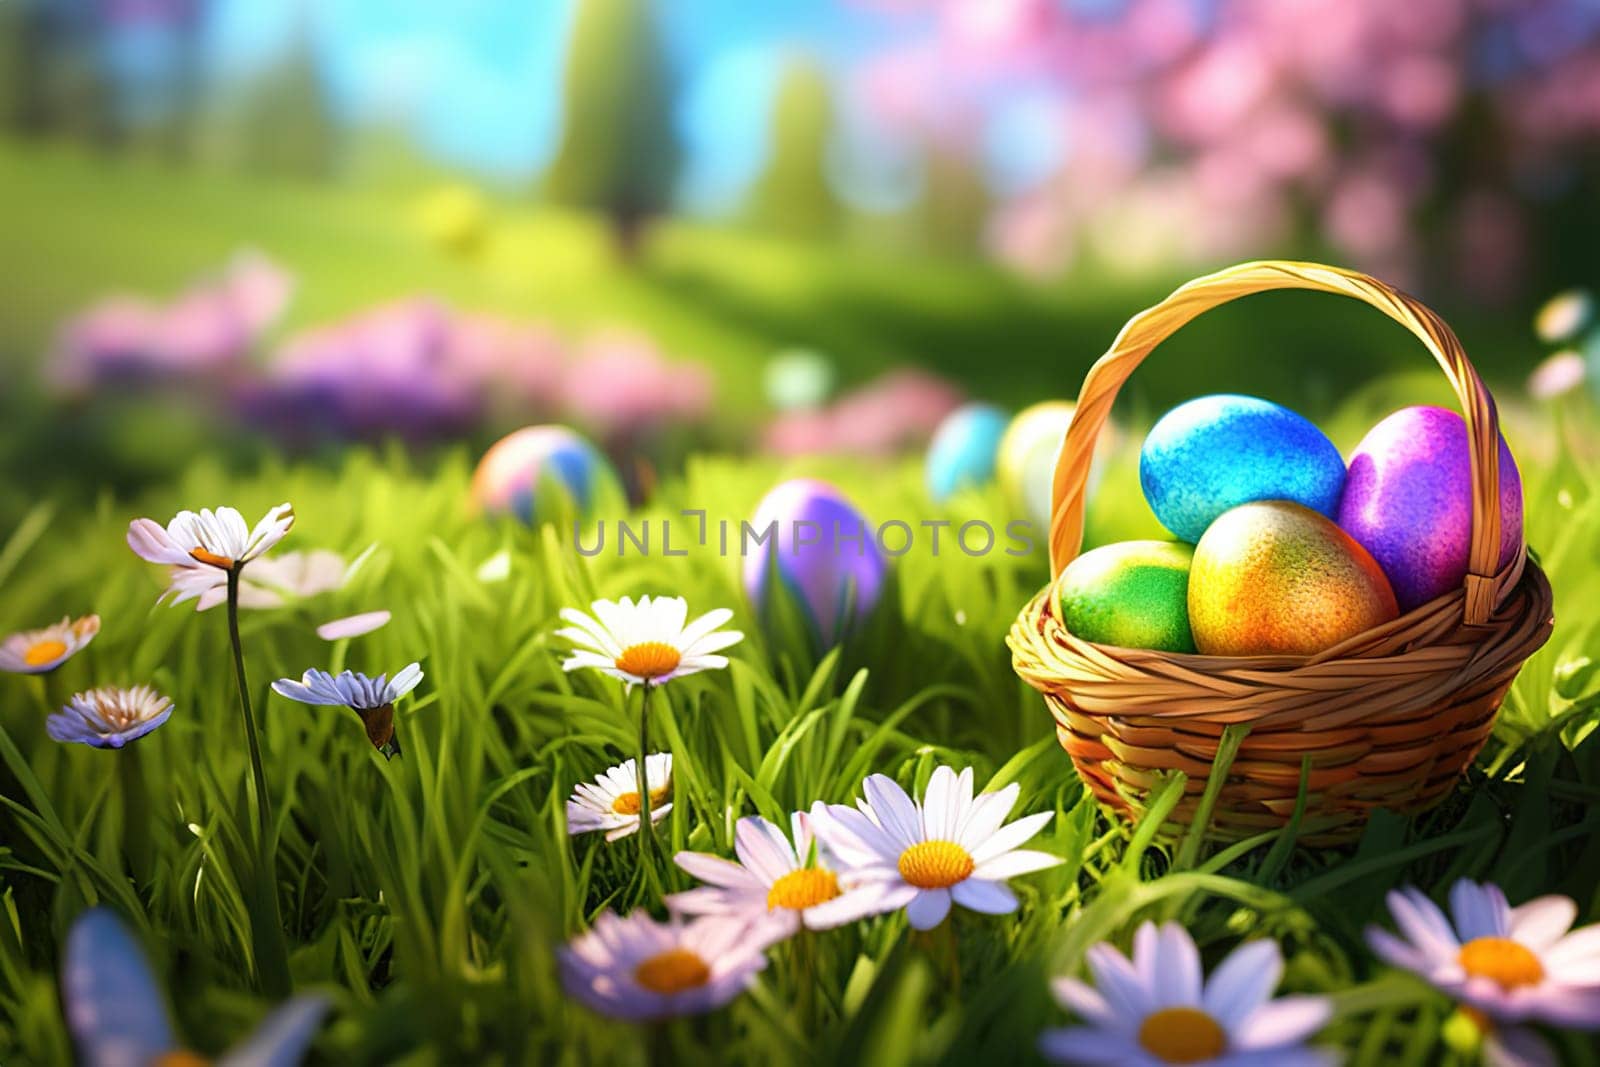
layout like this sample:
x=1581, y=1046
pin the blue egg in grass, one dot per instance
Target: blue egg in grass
x=821, y=556
x=1213, y=453
x=964, y=449
x=543, y=474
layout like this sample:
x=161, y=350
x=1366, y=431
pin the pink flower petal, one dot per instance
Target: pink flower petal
x=353, y=625
x=1543, y=921
x=1559, y=374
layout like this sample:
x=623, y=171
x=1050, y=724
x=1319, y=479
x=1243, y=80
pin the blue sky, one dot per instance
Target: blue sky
x=477, y=82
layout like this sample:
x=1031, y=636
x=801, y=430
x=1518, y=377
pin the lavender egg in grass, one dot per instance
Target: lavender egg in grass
x=820, y=551
x=1408, y=500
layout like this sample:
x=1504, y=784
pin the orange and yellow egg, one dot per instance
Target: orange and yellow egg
x=1276, y=578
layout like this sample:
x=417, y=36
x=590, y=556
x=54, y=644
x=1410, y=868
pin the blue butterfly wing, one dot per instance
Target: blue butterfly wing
x=113, y=1007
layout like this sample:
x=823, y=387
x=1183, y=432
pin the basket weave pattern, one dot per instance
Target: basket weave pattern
x=1388, y=719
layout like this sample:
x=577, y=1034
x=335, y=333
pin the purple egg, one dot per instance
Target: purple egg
x=833, y=567
x=1408, y=500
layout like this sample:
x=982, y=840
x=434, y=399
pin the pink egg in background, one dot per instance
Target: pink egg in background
x=1408, y=500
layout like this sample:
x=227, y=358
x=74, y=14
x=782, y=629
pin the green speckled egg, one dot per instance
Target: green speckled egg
x=1133, y=594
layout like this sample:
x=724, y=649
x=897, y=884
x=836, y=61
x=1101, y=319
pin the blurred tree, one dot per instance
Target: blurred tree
x=177, y=130
x=618, y=153
x=794, y=194
x=51, y=81
x=385, y=154
x=154, y=104
x=955, y=201
x=21, y=26
x=284, y=125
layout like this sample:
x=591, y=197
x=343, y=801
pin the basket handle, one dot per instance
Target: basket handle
x=1155, y=324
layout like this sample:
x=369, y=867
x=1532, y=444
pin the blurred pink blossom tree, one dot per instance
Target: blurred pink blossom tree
x=1204, y=130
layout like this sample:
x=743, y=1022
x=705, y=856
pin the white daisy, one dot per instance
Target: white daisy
x=39, y=651
x=635, y=968
x=370, y=698
x=276, y=580
x=1159, y=1008
x=778, y=886
x=201, y=548
x=1564, y=316
x=109, y=717
x=922, y=857
x=611, y=801
x=647, y=642
x=1510, y=965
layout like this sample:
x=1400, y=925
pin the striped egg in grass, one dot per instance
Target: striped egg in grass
x=543, y=474
x=1026, y=464
x=818, y=559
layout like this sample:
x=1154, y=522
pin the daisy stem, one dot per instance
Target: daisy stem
x=940, y=946
x=28, y=726
x=805, y=977
x=658, y=1043
x=952, y=948
x=136, y=813
x=647, y=834
x=266, y=922
x=263, y=803
x=53, y=692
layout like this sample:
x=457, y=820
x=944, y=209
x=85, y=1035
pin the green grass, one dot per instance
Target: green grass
x=427, y=894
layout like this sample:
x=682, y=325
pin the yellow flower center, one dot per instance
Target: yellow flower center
x=935, y=864
x=181, y=1058
x=672, y=971
x=211, y=558
x=43, y=652
x=628, y=803
x=1501, y=960
x=121, y=711
x=1182, y=1035
x=652, y=659
x=801, y=889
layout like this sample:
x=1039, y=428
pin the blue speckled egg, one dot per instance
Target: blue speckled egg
x=1408, y=500
x=822, y=553
x=964, y=448
x=542, y=474
x=1214, y=453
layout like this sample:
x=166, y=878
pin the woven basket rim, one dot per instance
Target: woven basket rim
x=1039, y=622
x=1445, y=608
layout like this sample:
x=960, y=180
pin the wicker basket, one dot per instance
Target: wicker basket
x=1390, y=718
